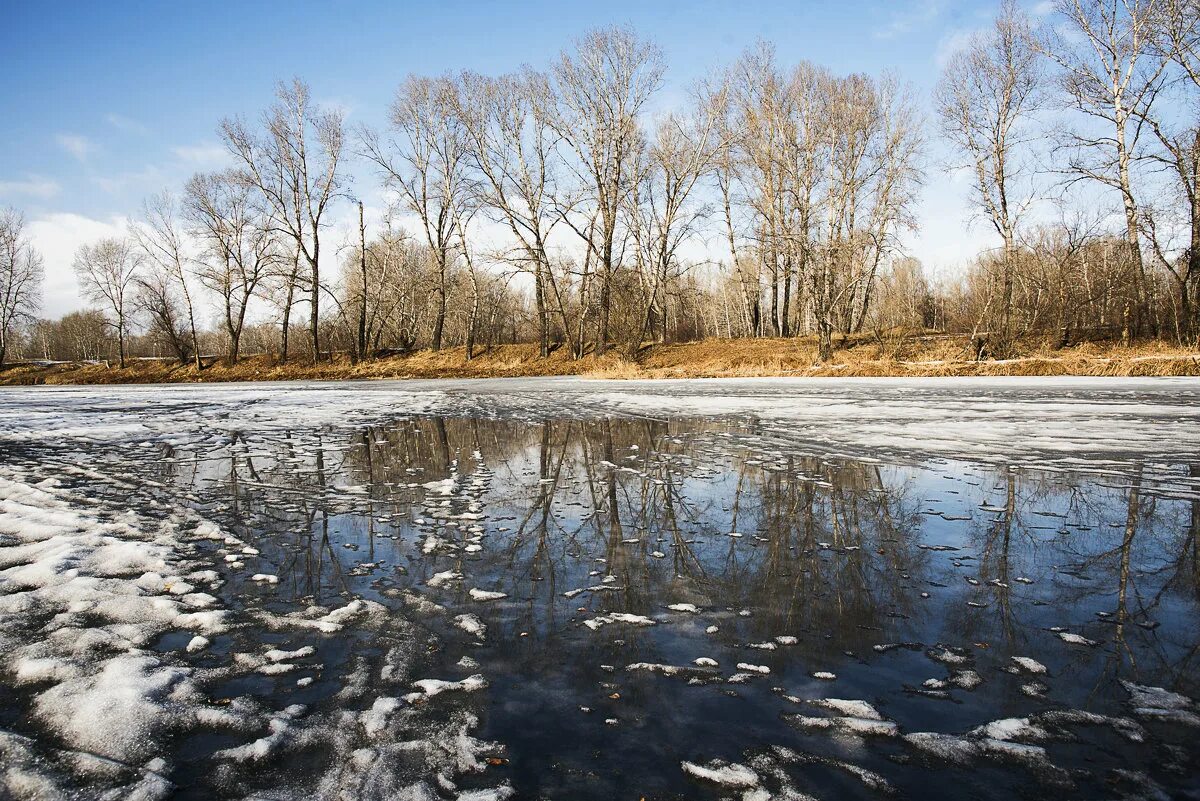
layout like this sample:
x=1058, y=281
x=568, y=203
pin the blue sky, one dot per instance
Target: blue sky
x=108, y=103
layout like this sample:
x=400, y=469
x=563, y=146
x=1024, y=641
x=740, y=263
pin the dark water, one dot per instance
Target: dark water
x=885, y=575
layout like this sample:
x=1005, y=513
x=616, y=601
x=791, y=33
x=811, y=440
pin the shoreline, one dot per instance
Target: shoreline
x=790, y=358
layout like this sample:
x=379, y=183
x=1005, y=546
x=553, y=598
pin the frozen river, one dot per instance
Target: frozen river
x=573, y=589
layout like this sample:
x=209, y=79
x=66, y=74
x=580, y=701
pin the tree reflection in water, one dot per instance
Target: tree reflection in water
x=795, y=562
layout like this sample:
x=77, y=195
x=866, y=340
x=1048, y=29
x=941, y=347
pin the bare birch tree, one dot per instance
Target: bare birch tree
x=602, y=88
x=106, y=270
x=1111, y=74
x=239, y=249
x=295, y=163
x=662, y=207
x=1178, y=153
x=21, y=275
x=164, y=248
x=513, y=150
x=155, y=301
x=426, y=164
x=986, y=99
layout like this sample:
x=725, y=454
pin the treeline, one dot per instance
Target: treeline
x=552, y=206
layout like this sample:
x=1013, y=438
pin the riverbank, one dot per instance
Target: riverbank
x=714, y=358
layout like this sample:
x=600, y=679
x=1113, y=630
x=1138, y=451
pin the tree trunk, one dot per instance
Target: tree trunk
x=439, y=321
x=775, y=329
x=605, y=299
x=362, y=265
x=1192, y=320
x=315, y=312
x=785, y=327
x=195, y=338
x=1007, y=289
x=1131, y=228
x=824, y=340
x=287, y=320
x=539, y=290
x=121, y=340
x=472, y=320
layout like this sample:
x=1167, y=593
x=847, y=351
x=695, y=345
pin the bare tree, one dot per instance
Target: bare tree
x=988, y=94
x=728, y=176
x=295, y=164
x=663, y=215
x=870, y=144
x=155, y=299
x=284, y=295
x=106, y=270
x=21, y=275
x=1110, y=73
x=240, y=250
x=1178, y=39
x=427, y=166
x=385, y=285
x=163, y=245
x=80, y=336
x=513, y=150
x=774, y=143
x=603, y=87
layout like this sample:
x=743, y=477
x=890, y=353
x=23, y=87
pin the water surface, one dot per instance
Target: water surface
x=638, y=591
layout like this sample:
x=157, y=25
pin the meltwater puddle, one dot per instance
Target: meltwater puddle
x=469, y=608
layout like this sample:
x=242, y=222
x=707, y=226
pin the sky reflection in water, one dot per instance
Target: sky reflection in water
x=914, y=586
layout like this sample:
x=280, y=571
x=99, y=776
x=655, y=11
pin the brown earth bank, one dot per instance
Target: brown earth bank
x=943, y=355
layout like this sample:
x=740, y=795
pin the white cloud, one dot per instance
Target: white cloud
x=147, y=179
x=342, y=106
x=126, y=124
x=912, y=16
x=78, y=146
x=1042, y=9
x=206, y=156
x=33, y=186
x=952, y=42
x=57, y=236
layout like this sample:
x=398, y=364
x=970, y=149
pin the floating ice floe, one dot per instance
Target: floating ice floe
x=444, y=578
x=618, y=617
x=428, y=688
x=471, y=625
x=846, y=723
x=1019, y=729
x=966, y=679
x=335, y=620
x=596, y=588
x=122, y=711
x=670, y=670
x=279, y=655
x=726, y=774
x=1156, y=703
x=849, y=707
x=948, y=656
x=1029, y=665
x=1075, y=639
x=692, y=608
x=375, y=719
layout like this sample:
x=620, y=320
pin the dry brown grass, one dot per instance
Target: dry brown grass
x=860, y=356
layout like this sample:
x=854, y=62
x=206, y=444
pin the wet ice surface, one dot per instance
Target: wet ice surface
x=579, y=589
